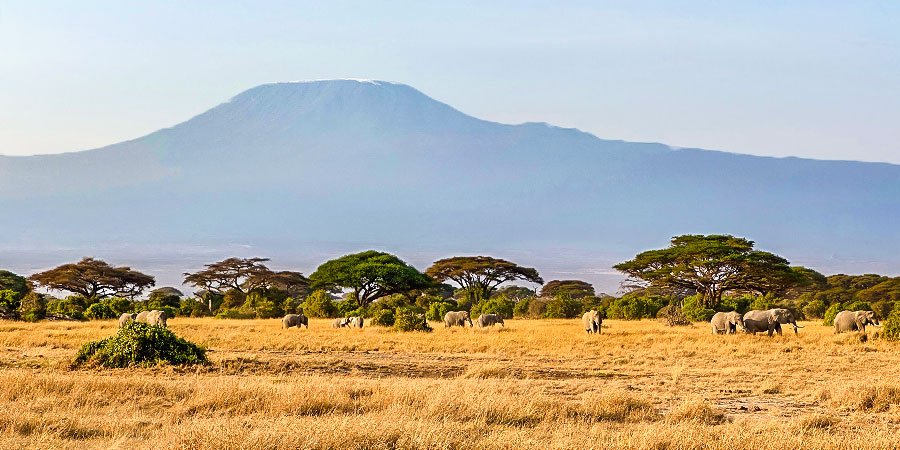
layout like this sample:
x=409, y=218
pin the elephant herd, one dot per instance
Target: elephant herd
x=154, y=317
x=771, y=320
x=460, y=318
x=752, y=322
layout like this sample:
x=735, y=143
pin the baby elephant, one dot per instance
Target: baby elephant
x=340, y=322
x=294, y=320
x=727, y=323
x=489, y=320
x=592, y=321
x=125, y=318
x=854, y=321
x=156, y=318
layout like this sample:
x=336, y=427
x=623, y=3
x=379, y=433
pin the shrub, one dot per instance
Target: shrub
x=562, y=307
x=739, y=304
x=672, y=316
x=33, y=307
x=347, y=308
x=815, y=309
x=100, y=310
x=410, y=319
x=319, y=305
x=193, y=308
x=521, y=308
x=437, y=310
x=635, y=307
x=692, y=308
x=859, y=306
x=538, y=307
x=9, y=300
x=66, y=307
x=161, y=298
x=140, y=344
x=764, y=302
x=233, y=299
x=891, y=326
x=831, y=312
x=383, y=318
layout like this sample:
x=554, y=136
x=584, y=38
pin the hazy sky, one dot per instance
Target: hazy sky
x=814, y=79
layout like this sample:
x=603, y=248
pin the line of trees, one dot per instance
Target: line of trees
x=699, y=274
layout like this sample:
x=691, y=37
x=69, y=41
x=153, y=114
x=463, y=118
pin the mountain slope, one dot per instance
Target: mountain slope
x=287, y=165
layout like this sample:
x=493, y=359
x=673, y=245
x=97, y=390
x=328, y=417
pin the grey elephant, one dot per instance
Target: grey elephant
x=592, y=321
x=125, y=318
x=457, y=319
x=769, y=321
x=354, y=322
x=295, y=320
x=727, y=322
x=489, y=320
x=854, y=321
x=340, y=322
x=155, y=317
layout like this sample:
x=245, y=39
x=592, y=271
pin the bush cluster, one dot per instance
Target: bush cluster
x=140, y=344
x=410, y=319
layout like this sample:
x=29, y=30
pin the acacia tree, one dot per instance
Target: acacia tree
x=576, y=289
x=710, y=265
x=479, y=276
x=370, y=275
x=243, y=275
x=94, y=279
x=13, y=282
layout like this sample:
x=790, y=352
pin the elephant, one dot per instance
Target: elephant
x=125, y=318
x=592, y=321
x=354, y=322
x=727, y=323
x=340, y=322
x=854, y=321
x=489, y=320
x=295, y=320
x=155, y=317
x=768, y=321
x=457, y=319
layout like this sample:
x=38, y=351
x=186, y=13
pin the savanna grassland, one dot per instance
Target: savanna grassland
x=533, y=384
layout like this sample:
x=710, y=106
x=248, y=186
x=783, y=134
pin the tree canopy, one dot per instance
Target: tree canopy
x=95, y=279
x=240, y=274
x=480, y=275
x=710, y=265
x=574, y=288
x=370, y=275
x=12, y=282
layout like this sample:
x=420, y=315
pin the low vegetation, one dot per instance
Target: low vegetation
x=139, y=344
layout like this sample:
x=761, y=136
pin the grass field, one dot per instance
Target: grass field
x=533, y=384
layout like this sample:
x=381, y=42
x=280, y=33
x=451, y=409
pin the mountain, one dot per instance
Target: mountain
x=306, y=170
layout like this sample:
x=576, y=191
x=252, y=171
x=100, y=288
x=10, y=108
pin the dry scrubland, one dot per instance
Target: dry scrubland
x=533, y=384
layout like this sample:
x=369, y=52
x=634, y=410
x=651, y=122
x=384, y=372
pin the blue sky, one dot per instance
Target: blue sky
x=813, y=79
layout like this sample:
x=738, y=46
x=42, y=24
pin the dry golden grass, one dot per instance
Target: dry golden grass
x=533, y=384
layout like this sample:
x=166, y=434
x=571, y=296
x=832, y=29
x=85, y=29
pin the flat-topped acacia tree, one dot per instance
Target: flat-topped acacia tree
x=574, y=288
x=710, y=265
x=370, y=275
x=480, y=275
x=244, y=275
x=94, y=279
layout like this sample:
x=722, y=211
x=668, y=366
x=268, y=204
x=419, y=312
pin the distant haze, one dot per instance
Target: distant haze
x=303, y=172
x=808, y=79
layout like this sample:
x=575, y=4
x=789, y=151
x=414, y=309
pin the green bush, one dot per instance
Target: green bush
x=160, y=299
x=383, y=318
x=890, y=329
x=437, y=310
x=521, y=308
x=191, y=307
x=764, y=302
x=635, y=307
x=33, y=307
x=9, y=300
x=739, y=304
x=319, y=305
x=692, y=308
x=140, y=344
x=882, y=309
x=562, y=307
x=859, y=306
x=292, y=305
x=815, y=309
x=100, y=310
x=347, y=308
x=831, y=312
x=67, y=307
x=410, y=319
